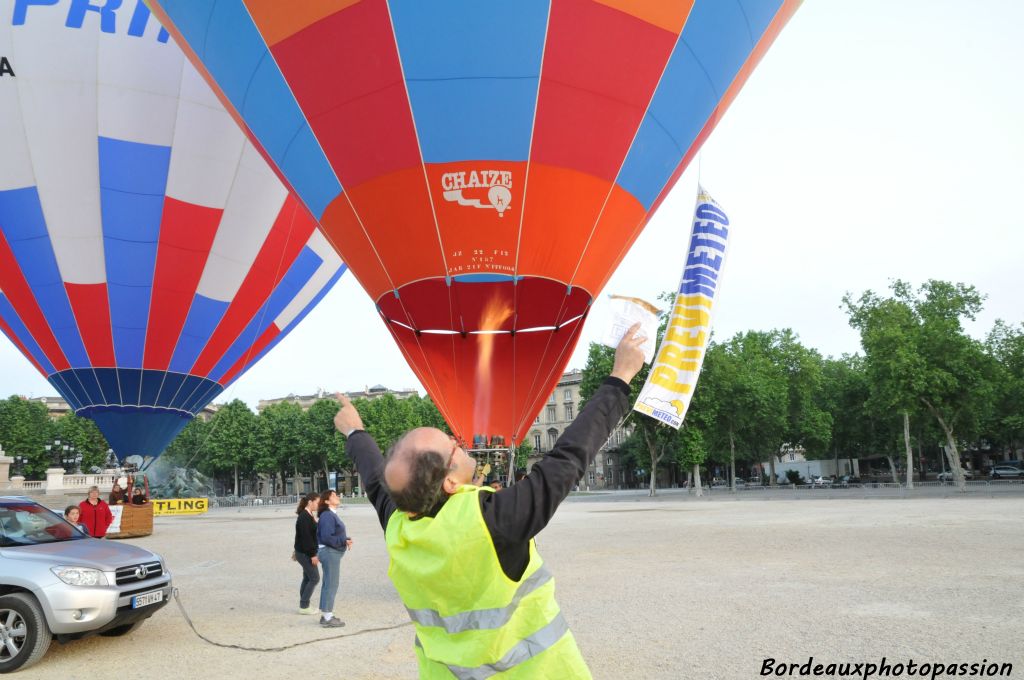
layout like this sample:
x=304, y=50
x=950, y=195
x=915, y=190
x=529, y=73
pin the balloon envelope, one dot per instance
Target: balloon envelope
x=481, y=166
x=148, y=253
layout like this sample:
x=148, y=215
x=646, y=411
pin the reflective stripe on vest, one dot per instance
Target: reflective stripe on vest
x=526, y=649
x=481, y=619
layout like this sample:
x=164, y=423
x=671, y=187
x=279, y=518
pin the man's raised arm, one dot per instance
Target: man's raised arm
x=518, y=513
x=366, y=455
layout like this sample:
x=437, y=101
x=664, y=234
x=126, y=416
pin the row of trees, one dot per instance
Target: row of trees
x=26, y=430
x=921, y=380
x=236, y=443
x=284, y=441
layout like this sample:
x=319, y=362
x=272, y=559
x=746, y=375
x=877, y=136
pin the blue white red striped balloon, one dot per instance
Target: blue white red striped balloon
x=148, y=253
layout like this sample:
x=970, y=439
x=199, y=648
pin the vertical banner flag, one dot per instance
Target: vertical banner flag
x=666, y=394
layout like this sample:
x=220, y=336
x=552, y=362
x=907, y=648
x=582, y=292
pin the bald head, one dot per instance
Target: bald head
x=401, y=458
x=416, y=468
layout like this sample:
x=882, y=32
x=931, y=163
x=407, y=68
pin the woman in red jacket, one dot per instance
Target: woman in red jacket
x=96, y=517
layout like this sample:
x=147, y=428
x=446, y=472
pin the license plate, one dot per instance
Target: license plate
x=147, y=599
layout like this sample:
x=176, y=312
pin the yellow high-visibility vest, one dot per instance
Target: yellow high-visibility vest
x=472, y=621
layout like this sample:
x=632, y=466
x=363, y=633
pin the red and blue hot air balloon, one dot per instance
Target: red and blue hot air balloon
x=148, y=253
x=481, y=166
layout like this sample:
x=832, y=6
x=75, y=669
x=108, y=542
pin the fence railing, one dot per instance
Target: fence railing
x=57, y=482
x=252, y=502
x=981, y=484
x=85, y=481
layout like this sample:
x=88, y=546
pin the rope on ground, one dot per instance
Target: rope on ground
x=188, y=619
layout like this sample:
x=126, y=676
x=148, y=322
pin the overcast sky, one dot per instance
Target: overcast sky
x=878, y=139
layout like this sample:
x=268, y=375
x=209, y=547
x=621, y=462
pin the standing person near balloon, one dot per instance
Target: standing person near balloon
x=96, y=516
x=306, y=548
x=117, y=495
x=333, y=543
x=463, y=558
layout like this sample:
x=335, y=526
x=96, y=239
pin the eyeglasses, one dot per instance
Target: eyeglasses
x=455, y=447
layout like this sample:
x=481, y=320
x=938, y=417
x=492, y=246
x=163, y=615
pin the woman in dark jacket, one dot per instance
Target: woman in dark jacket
x=330, y=532
x=306, y=548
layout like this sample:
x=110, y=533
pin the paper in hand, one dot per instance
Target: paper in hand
x=626, y=311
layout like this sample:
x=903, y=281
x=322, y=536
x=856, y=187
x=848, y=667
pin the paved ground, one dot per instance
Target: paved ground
x=668, y=589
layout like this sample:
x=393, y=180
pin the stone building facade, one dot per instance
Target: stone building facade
x=305, y=401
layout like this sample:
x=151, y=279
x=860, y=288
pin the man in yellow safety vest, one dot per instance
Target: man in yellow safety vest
x=463, y=557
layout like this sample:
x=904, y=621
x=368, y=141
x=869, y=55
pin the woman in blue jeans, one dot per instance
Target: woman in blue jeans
x=307, y=549
x=330, y=533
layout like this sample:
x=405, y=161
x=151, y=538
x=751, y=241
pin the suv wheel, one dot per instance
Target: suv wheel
x=24, y=635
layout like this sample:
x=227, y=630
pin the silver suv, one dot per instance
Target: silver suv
x=57, y=582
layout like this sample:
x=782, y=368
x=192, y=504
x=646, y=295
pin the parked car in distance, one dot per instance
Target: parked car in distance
x=1006, y=472
x=821, y=481
x=740, y=483
x=57, y=582
x=847, y=481
x=947, y=476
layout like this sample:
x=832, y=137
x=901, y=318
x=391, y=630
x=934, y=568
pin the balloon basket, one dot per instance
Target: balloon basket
x=136, y=521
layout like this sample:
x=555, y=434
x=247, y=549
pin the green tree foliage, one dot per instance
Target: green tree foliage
x=25, y=430
x=426, y=414
x=895, y=366
x=745, y=399
x=187, y=446
x=325, y=444
x=809, y=424
x=633, y=455
x=919, y=355
x=846, y=394
x=284, y=441
x=753, y=377
x=281, y=440
x=86, y=438
x=1006, y=345
x=387, y=418
x=522, y=454
x=227, y=444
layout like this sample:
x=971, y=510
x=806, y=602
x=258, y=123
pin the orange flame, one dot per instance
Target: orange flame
x=495, y=313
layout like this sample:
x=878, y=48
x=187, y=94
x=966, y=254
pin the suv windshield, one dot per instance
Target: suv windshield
x=31, y=524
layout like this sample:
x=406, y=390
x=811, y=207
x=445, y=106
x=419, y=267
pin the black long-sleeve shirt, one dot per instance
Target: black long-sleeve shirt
x=516, y=514
x=305, y=534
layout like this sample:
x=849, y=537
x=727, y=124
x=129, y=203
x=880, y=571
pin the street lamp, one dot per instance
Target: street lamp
x=20, y=461
x=56, y=451
x=72, y=459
